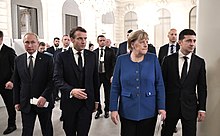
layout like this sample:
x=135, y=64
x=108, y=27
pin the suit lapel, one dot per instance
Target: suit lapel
x=24, y=63
x=191, y=66
x=166, y=50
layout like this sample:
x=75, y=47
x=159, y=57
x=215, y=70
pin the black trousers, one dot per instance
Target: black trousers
x=7, y=96
x=28, y=121
x=188, y=126
x=77, y=121
x=107, y=86
x=144, y=127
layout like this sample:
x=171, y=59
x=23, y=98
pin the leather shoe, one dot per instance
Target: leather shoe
x=106, y=115
x=175, y=131
x=97, y=115
x=9, y=130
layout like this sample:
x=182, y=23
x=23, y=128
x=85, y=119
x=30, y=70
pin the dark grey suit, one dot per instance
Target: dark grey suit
x=183, y=100
x=26, y=88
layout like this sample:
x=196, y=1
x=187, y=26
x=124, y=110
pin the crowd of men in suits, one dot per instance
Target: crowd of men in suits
x=37, y=76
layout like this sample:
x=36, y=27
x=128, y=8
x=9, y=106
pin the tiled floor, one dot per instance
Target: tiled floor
x=99, y=127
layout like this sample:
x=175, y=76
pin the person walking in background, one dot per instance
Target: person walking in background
x=91, y=46
x=33, y=87
x=52, y=49
x=76, y=75
x=123, y=47
x=108, y=44
x=184, y=77
x=106, y=59
x=137, y=92
x=169, y=48
x=7, y=56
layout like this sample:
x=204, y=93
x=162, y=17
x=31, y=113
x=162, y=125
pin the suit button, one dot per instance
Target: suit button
x=137, y=87
x=137, y=79
x=137, y=94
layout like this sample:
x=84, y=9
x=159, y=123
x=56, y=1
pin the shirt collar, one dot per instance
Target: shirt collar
x=102, y=48
x=1, y=46
x=172, y=44
x=34, y=55
x=181, y=55
x=75, y=51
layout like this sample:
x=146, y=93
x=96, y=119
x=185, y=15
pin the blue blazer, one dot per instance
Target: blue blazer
x=139, y=88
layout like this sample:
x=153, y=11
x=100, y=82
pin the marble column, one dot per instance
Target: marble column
x=208, y=47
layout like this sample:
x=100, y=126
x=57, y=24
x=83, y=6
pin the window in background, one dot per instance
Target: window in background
x=71, y=22
x=27, y=20
x=130, y=22
x=192, y=18
x=161, y=29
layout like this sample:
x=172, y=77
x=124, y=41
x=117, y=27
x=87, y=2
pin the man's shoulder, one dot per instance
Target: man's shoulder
x=164, y=46
x=123, y=43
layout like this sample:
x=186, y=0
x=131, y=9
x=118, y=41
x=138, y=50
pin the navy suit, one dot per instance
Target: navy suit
x=7, y=56
x=77, y=114
x=183, y=100
x=25, y=88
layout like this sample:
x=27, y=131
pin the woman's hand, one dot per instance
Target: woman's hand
x=115, y=117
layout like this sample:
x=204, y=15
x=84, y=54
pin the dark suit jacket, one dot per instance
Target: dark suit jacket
x=109, y=61
x=122, y=49
x=7, y=56
x=51, y=50
x=66, y=78
x=41, y=83
x=164, y=51
x=183, y=95
x=115, y=50
x=151, y=49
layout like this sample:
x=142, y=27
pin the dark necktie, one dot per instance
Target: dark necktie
x=172, y=49
x=101, y=62
x=79, y=60
x=101, y=55
x=184, y=69
x=31, y=66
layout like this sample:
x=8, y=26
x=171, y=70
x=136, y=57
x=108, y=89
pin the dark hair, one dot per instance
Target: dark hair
x=129, y=31
x=41, y=44
x=90, y=45
x=186, y=32
x=1, y=34
x=73, y=31
x=100, y=36
x=56, y=38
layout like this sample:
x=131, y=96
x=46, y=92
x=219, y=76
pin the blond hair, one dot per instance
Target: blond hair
x=136, y=35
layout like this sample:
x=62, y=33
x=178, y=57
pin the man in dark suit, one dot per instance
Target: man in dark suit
x=108, y=44
x=151, y=48
x=7, y=56
x=66, y=47
x=182, y=73
x=52, y=49
x=33, y=87
x=169, y=48
x=106, y=59
x=76, y=75
x=123, y=47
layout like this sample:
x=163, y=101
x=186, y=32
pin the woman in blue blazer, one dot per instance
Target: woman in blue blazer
x=137, y=92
